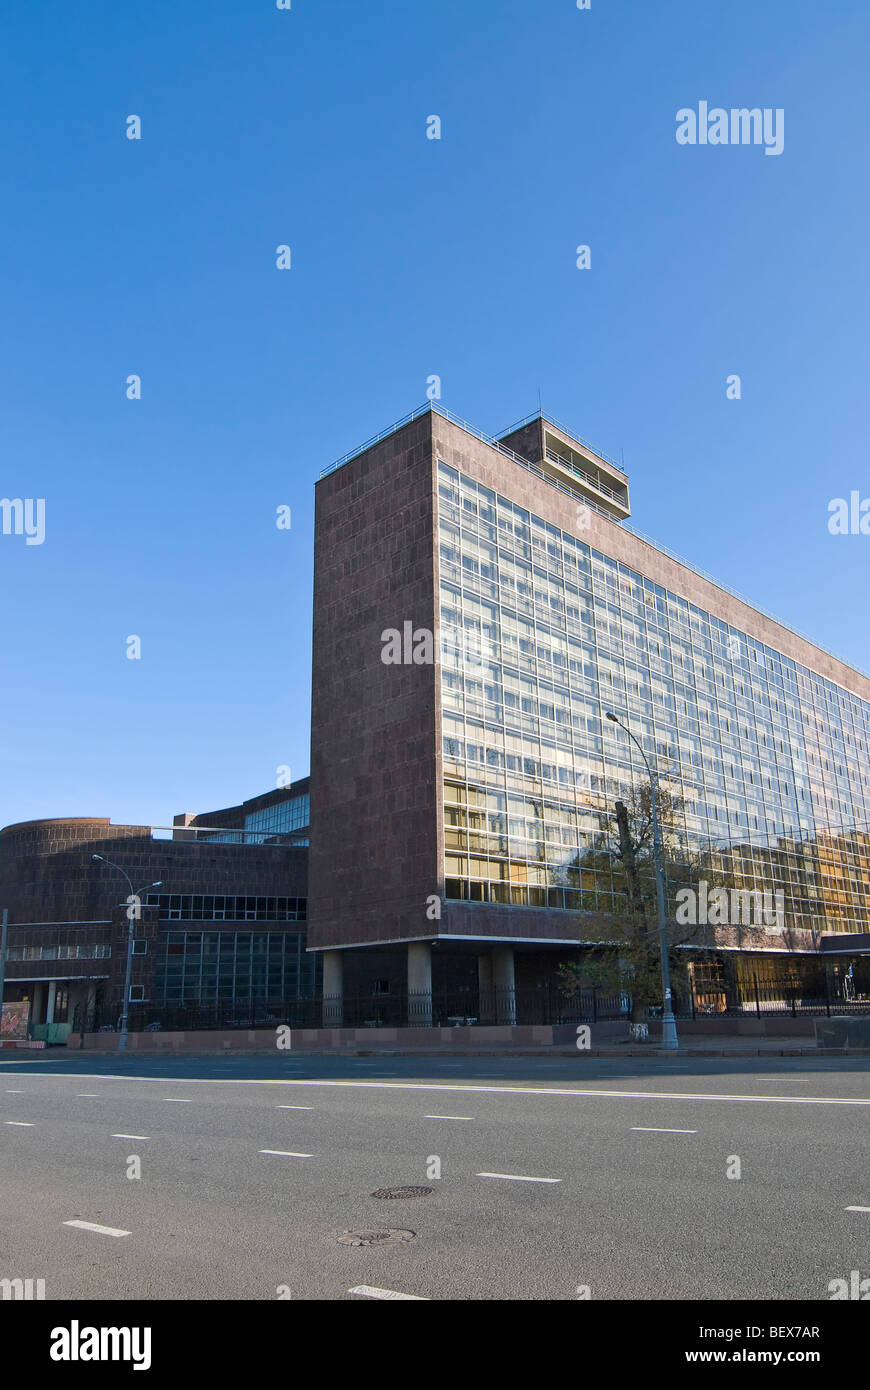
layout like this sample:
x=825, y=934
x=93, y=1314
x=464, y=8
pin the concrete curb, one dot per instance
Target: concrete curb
x=443, y=1055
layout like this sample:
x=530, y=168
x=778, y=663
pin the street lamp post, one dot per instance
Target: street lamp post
x=669, y=1023
x=132, y=904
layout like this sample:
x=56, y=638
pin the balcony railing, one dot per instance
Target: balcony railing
x=571, y=467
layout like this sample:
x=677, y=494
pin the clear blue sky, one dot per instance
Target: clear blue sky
x=411, y=257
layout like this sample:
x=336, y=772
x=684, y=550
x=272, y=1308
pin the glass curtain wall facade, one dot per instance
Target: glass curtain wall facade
x=282, y=818
x=203, y=967
x=541, y=635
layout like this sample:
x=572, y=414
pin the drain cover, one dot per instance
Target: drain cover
x=399, y=1193
x=375, y=1237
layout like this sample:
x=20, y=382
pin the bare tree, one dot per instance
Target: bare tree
x=626, y=957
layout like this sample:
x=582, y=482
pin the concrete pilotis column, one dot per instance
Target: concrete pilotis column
x=484, y=987
x=333, y=989
x=504, y=984
x=420, y=984
x=49, y=1008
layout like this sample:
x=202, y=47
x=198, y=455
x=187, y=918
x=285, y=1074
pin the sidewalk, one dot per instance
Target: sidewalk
x=733, y=1047
x=725, y=1046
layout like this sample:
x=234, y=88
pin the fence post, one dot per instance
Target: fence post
x=794, y=1001
x=757, y=1000
x=827, y=991
x=594, y=1003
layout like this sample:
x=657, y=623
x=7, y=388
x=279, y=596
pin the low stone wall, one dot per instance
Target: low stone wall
x=204, y=1040
x=356, y=1039
x=852, y=1031
x=767, y=1026
x=481, y=1037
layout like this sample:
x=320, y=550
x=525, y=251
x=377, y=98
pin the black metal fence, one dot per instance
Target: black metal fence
x=544, y=1005
x=105, y=1017
x=472, y=1007
x=787, y=997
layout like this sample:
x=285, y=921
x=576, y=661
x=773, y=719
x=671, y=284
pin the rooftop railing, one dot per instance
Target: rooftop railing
x=224, y=834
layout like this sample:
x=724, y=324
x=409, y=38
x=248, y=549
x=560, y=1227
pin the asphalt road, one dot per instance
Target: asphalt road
x=556, y=1174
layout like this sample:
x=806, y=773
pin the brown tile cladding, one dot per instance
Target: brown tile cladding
x=374, y=802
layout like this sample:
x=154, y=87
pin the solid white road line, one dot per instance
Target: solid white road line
x=285, y=1153
x=294, y=1107
x=582, y=1093
x=129, y=1136
x=654, y=1129
x=366, y=1291
x=448, y=1117
x=858, y=1208
x=22, y=1124
x=515, y=1177
x=98, y=1230
x=178, y=1100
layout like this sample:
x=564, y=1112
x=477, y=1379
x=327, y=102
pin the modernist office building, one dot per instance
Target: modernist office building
x=457, y=802
x=226, y=927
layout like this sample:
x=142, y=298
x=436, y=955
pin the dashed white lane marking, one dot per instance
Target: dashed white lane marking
x=285, y=1153
x=448, y=1117
x=515, y=1177
x=87, y=1095
x=367, y=1291
x=129, y=1136
x=177, y=1100
x=22, y=1124
x=654, y=1129
x=858, y=1208
x=10, y=1092
x=294, y=1107
x=97, y=1230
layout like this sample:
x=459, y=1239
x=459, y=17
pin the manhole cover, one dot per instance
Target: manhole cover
x=393, y=1194
x=375, y=1237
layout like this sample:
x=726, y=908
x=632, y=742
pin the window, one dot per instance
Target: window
x=767, y=749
